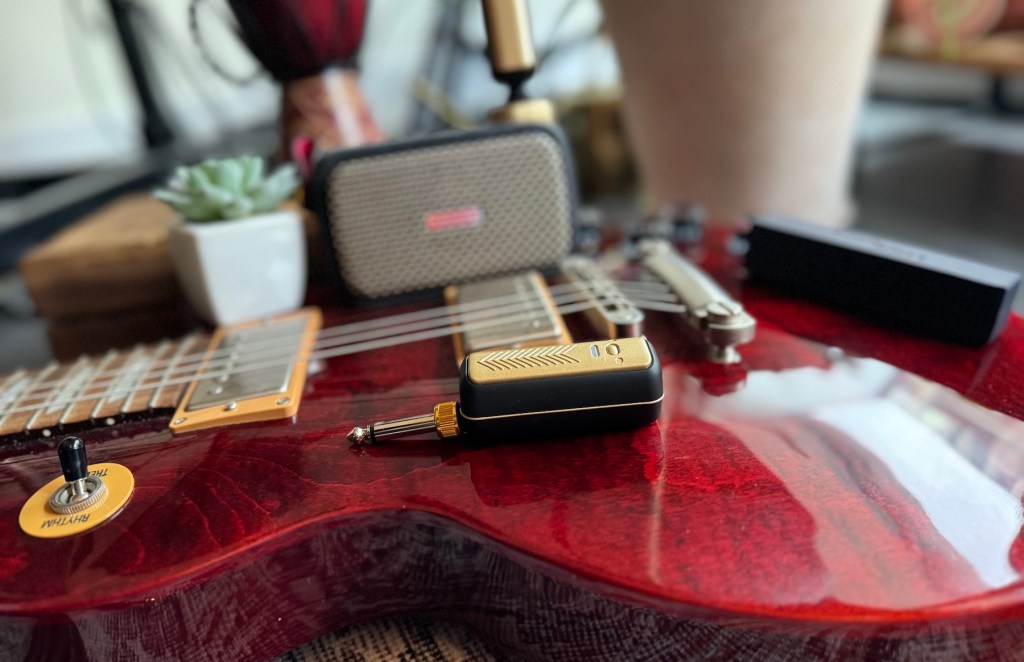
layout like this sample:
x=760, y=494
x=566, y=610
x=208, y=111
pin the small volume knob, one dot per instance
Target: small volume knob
x=73, y=462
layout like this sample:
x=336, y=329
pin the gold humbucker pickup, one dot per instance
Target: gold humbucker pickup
x=253, y=371
x=508, y=312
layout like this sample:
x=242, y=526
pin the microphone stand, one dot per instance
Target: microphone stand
x=510, y=50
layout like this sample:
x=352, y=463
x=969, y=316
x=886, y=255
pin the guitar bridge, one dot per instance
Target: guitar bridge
x=254, y=371
x=610, y=312
x=720, y=319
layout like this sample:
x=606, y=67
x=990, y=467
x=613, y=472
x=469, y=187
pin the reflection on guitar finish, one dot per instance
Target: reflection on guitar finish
x=806, y=502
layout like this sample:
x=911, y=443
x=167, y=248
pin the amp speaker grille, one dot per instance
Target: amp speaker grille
x=511, y=191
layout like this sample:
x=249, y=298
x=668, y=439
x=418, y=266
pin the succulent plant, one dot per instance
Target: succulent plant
x=225, y=189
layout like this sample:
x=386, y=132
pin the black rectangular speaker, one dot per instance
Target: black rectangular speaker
x=423, y=213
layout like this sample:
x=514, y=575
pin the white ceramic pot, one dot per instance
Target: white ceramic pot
x=242, y=269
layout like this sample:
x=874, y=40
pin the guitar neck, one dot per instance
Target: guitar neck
x=243, y=372
x=147, y=377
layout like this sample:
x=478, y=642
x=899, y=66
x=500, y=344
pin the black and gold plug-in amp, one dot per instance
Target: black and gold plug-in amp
x=540, y=392
x=448, y=208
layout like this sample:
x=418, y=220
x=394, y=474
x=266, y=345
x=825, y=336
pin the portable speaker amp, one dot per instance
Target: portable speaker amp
x=456, y=206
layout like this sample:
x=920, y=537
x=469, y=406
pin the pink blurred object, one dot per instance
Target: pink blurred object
x=303, y=154
x=329, y=108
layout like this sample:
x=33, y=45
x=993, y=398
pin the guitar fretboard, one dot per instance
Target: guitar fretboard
x=147, y=377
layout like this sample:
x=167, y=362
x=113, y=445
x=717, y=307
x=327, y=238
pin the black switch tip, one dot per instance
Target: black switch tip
x=71, y=452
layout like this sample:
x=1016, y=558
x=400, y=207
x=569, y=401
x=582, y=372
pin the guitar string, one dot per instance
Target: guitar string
x=329, y=352
x=186, y=362
x=95, y=385
x=34, y=397
x=319, y=352
x=189, y=361
x=665, y=297
x=656, y=289
x=442, y=311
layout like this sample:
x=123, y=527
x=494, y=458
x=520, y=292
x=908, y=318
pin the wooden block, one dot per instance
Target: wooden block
x=113, y=260
x=108, y=280
x=94, y=334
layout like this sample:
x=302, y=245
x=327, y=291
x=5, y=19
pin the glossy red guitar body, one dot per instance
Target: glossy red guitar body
x=808, y=505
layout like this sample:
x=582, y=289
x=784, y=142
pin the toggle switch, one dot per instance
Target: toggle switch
x=80, y=490
x=81, y=499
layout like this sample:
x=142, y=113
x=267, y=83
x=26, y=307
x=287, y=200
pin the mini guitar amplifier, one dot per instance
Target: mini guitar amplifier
x=423, y=213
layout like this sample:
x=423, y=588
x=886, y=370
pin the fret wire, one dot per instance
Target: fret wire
x=106, y=389
x=107, y=395
x=140, y=367
x=28, y=387
x=82, y=379
x=10, y=380
x=99, y=369
x=176, y=379
x=185, y=343
x=56, y=389
x=158, y=350
x=351, y=348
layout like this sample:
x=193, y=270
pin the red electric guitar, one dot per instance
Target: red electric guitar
x=854, y=494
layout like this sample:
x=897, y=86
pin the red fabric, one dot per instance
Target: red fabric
x=297, y=38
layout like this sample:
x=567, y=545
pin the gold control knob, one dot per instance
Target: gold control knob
x=446, y=420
